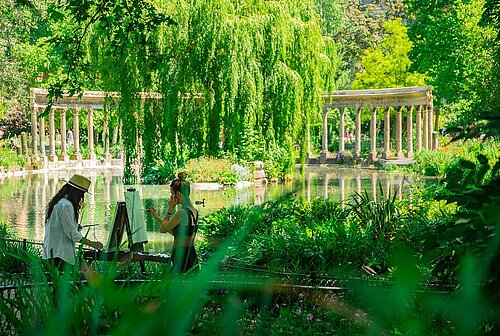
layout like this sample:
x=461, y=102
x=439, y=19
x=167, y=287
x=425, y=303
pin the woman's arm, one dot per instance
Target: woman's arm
x=66, y=216
x=169, y=222
x=92, y=243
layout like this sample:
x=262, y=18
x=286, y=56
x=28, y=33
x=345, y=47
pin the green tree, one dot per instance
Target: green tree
x=258, y=65
x=491, y=98
x=388, y=65
x=18, y=18
x=454, y=51
x=356, y=26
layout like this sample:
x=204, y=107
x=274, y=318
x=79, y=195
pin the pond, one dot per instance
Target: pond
x=23, y=198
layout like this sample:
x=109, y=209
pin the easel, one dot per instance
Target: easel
x=120, y=225
x=132, y=253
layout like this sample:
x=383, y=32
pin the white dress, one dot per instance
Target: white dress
x=61, y=233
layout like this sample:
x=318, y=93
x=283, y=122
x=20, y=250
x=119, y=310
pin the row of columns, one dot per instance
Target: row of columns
x=423, y=129
x=38, y=136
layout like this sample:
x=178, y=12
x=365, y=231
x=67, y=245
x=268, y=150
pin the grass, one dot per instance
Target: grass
x=287, y=241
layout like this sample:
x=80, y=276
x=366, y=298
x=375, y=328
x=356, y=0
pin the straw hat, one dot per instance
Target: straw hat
x=79, y=182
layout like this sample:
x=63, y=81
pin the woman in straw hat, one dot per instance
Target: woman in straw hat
x=183, y=225
x=62, y=230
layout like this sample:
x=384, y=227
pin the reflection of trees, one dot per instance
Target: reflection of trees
x=23, y=199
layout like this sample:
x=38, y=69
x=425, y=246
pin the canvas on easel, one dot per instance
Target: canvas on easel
x=136, y=219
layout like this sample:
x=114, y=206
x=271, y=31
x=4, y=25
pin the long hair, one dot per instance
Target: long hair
x=180, y=184
x=74, y=195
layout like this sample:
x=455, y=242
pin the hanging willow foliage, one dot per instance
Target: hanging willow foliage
x=225, y=69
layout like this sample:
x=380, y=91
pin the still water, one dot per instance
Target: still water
x=23, y=198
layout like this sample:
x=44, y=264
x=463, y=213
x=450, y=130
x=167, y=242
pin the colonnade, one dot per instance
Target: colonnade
x=90, y=102
x=38, y=136
x=416, y=100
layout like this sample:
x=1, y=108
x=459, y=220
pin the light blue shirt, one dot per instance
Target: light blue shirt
x=61, y=233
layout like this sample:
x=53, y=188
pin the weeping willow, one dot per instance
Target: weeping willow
x=225, y=69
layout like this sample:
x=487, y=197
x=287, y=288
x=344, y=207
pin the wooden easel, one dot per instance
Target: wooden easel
x=134, y=253
x=120, y=225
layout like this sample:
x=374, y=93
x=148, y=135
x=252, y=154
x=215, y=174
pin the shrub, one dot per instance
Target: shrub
x=10, y=263
x=436, y=163
x=208, y=169
x=159, y=172
x=10, y=159
x=432, y=163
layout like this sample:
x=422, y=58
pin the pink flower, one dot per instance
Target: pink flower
x=310, y=317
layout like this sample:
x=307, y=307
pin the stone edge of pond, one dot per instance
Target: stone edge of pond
x=23, y=172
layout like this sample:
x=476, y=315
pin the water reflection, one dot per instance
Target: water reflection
x=23, y=199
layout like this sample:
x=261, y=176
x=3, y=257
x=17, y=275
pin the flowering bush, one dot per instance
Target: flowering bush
x=209, y=169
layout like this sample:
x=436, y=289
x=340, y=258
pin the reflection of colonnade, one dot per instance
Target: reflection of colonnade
x=409, y=99
x=26, y=206
x=351, y=185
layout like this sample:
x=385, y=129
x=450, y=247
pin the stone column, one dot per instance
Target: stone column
x=399, y=133
x=373, y=135
x=91, y=135
x=19, y=146
x=409, y=132
x=41, y=128
x=418, y=128
x=430, y=124
x=426, y=128
x=76, y=135
x=342, y=130
x=64, y=155
x=52, y=137
x=387, y=134
x=24, y=146
x=34, y=133
x=358, y=132
x=323, y=156
x=435, y=142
